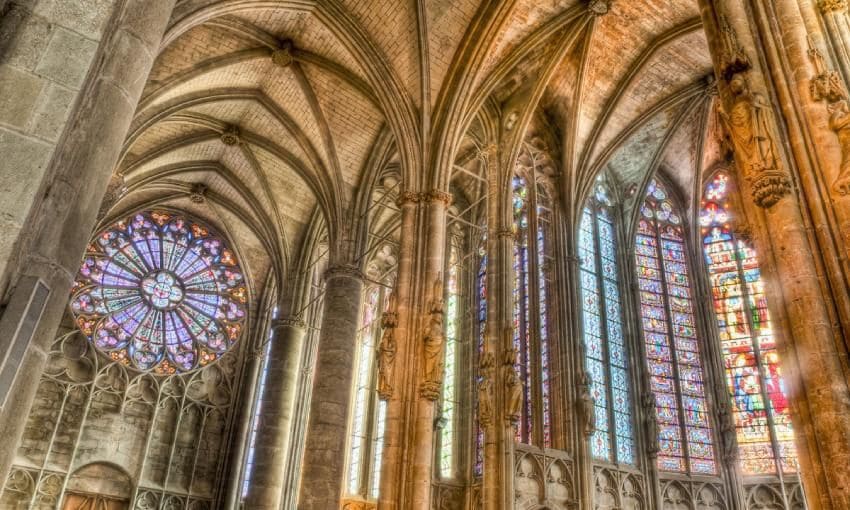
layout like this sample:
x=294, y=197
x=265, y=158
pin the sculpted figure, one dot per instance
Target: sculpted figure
x=839, y=121
x=485, y=401
x=727, y=433
x=387, y=350
x=433, y=344
x=650, y=405
x=586, y=405
x=513, y=396
x=749, y=126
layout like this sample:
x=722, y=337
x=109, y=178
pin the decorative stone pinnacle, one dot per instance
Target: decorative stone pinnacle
x=198, y=193
x=283, y=56
x=828, y=6
x=599, y=7
x=231, y=136
x=734, y=59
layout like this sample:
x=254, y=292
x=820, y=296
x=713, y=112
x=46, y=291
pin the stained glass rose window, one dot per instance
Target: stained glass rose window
x=159, y=291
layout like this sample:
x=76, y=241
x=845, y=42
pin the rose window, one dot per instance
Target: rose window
x=160, y=292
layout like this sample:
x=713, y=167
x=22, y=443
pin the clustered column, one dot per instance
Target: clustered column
x=324, y=452
x=775, y=210
x=278, y=404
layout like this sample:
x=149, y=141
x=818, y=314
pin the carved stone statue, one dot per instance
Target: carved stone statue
x=513, y=396
x=749, y=127
x=485, y=401
x=433, y=345
x=727, y=433
x=387, y=350
x=586, y=404
x=650, y=419
x=839, y=121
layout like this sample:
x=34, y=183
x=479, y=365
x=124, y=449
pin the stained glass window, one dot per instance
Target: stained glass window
x=158, y=291
x=365, y=448
x=760, y=409
x=450, y=390
x=606, y=359
x=481, y=283
x=258, y=409
x=531, y=218
x=669, y=330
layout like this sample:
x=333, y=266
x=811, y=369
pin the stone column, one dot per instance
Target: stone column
x=497, y=361
x=432, y=351
x=275, y=421
x=399, y=396
x=46, y=258
x=801, y=311
x=324, y=451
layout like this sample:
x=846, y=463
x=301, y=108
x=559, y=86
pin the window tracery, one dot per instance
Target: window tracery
x=159, y=291
x=450, y=398
x=685, y=438
x=605, y=358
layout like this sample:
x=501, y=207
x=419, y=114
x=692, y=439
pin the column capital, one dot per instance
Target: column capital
x=408, y=197
x=295, y=321
x=344, y=271
x=828, y=6
x=436, y=195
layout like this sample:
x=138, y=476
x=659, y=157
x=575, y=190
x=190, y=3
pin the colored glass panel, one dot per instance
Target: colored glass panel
x=157, y=291
x=481, y=282
x=669, y=330
x=449, y=400
x=760, y=409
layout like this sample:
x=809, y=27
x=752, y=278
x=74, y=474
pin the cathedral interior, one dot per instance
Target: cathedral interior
x=425, y=254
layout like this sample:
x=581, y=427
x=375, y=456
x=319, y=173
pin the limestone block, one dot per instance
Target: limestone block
x=87, y=17
x=67, y=58
x=19, y=92
x=29, y=43
x=53, y=110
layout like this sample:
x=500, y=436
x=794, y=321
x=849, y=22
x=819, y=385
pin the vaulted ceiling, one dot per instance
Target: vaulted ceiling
x=270, y=117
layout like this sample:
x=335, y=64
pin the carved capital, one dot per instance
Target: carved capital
x=231, y=136
x=344, y=271
x=828, y=6
x=408, y=197
x=436, y=195
x=283, y=56
x=289, y=322
x=505, y=234
x=769, y=187
x=430, y=390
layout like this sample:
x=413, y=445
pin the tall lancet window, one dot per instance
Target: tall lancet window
x=369, y=412
x=669, y=330
x=532, y=219
x=450, y=400
x=481, y=296
x=760, y=410
x=606, y=358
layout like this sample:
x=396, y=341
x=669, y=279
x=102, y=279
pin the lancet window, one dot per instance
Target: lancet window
x=451, y=391
x=531, y=320
x=685, y=438
x=759, y=405
x=369, y=412
x=605, y=358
